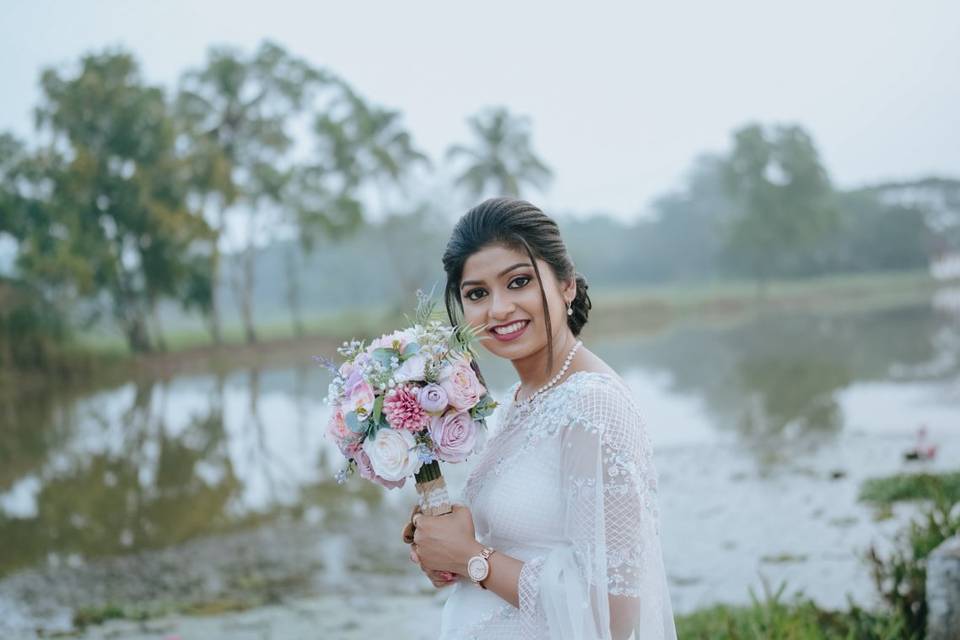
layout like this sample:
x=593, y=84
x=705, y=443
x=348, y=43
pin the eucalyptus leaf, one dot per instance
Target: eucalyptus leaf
x=383, y=355
x=353, y=423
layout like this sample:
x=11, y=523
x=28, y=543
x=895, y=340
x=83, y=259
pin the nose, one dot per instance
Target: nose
x=500, y=307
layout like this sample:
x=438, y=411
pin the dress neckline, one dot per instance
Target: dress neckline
x=548, y=392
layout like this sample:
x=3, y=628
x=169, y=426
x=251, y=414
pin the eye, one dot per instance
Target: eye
x=472, y=297
x=523, y=280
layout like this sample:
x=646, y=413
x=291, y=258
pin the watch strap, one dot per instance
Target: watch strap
x=485, y=554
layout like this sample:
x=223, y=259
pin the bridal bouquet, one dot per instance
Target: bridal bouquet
x=404, y=402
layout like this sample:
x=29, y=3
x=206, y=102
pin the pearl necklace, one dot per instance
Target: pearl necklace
x=522, y=404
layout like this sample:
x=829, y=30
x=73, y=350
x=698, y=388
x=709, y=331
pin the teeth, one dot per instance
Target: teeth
x=510, y=328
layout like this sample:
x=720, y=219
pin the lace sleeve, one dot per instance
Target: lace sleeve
x=607, y=578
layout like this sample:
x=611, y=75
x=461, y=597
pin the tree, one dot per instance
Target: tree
x=784, y=196
x=111, y=216
x=502, y=161
x=687, y=231
x=362, y=147
x=236, y=113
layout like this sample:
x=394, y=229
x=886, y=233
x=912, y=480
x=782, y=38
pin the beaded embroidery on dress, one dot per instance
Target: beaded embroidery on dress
x=567, y=484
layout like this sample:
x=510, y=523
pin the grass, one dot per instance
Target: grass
x=773, y=618
x=732, y=296
x=647, y=306
x=911, y=486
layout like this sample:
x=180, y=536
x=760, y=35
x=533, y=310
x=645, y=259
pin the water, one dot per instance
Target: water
x=763, y=430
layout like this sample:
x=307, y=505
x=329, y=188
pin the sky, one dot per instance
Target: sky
x=622, y=96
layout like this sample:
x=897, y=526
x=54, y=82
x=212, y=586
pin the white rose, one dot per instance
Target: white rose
x=392, y=454
x=411, y=369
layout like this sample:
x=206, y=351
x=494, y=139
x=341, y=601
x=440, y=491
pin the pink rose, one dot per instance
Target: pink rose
x=462, y=386
x=397, y=340
x=454, y=435
x=366, y=471
x=346, y=440
x=337, y=426
x=359, y=394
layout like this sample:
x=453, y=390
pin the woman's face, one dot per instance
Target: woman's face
x=499, y=289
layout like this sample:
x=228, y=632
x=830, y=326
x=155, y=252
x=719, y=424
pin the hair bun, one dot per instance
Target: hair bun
x=581, y=306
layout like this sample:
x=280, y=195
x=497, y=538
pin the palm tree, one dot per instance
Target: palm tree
x=502, y=161
x=364, y=142
x=235, y=113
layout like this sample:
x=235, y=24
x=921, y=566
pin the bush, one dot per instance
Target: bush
x=799, y=619
x=901, y=577
x=30, y=329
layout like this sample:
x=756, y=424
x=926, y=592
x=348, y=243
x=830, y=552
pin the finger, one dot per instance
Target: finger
x=407, y=533
x=413, y=557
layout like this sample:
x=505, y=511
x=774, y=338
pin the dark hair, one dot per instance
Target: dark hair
x=521, y=226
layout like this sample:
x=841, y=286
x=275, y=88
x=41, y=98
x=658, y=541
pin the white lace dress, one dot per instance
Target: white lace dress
x=568, y=485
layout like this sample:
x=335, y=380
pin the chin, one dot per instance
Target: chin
x=514, y=351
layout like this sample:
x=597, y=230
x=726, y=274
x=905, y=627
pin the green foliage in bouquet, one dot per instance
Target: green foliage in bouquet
x=483, y=408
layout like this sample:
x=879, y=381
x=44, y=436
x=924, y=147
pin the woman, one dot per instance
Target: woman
x=559, y=535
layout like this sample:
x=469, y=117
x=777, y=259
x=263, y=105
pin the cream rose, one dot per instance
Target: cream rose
x=393, y=454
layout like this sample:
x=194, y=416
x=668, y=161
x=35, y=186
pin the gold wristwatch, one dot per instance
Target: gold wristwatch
x=478, y=568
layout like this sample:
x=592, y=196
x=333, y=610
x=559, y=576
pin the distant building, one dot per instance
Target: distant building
x=939, y=199
x=946, y=266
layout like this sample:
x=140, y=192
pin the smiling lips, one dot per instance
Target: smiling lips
x=505, y=332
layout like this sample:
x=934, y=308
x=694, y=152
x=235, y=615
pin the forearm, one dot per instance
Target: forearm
x=504, y=573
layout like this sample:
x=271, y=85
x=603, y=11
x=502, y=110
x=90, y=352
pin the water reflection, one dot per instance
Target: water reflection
x=154, y=463
x=777, y=377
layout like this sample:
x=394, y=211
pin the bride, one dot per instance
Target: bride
x=559, y=535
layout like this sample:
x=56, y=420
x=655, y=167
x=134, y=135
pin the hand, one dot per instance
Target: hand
x=440, y=579
x=445, y=543
x=407, y=533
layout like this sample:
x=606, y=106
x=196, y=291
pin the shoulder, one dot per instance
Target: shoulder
x=603, y=403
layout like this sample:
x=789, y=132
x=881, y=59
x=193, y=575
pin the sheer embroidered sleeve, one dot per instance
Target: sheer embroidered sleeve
x=606, y=578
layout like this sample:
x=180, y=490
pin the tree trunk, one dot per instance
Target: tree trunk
x=247, y=297
x=293, y=291
x=246, y=291
x=215, y=320
x=138, y=338
x=158, y=328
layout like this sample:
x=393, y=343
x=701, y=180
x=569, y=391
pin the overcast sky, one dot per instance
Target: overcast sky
x=622, y=96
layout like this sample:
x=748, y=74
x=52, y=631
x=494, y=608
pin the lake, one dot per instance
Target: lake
x=764, y=427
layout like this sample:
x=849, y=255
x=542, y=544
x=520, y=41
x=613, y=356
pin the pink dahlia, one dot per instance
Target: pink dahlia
x=403, y=410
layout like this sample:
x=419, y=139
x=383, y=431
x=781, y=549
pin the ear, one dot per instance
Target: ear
x=569, y=289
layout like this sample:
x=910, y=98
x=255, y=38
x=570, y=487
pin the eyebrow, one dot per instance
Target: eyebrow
x=499, y=275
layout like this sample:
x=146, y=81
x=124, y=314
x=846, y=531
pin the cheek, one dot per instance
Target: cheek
x=474, y=314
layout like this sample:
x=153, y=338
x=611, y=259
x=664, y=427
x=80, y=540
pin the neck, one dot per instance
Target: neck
x=532, y=369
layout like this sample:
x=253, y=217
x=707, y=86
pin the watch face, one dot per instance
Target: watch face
x=477, y=568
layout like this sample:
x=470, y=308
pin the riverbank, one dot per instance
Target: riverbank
x=645, y=309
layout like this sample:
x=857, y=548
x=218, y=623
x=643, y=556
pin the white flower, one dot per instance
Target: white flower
x=412, y=369
x=393, y=454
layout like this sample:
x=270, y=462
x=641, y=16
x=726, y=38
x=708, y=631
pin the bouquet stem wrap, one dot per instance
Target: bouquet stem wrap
x=432, y=489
